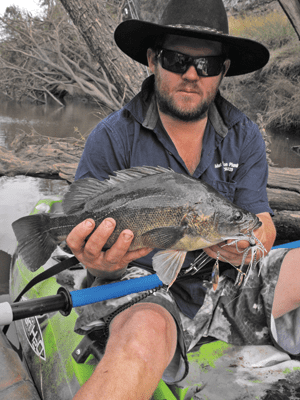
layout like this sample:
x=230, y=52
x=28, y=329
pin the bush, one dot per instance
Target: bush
x=273, y=29
x=273, y=91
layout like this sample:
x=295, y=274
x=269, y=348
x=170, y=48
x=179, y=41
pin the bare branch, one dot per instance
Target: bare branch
x=48, y=57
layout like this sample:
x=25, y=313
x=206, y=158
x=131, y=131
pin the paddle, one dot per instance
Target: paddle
x=64, y=300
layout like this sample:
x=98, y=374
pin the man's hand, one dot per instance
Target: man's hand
x=108, y=264
x=234, y=253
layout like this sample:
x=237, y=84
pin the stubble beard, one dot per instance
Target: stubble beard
x=168, y=106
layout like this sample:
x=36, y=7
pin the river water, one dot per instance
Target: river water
x=19, y=194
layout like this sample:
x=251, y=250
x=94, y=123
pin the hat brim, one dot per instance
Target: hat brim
x=134, y=37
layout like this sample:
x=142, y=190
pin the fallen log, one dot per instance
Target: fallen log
x=284, y=178
x=54, y=158
x=287, y=225
x=284, y=199
x=41, y=156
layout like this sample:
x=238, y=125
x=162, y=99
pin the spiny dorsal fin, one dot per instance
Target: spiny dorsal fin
x=84, y=190
x=79, y=193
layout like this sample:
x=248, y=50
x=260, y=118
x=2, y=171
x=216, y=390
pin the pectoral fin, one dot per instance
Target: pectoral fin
x=167, y=264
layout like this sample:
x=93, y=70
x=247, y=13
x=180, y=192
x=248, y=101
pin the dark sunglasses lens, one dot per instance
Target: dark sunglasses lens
x=174, y=62
x=209, y=66
x=179, y=63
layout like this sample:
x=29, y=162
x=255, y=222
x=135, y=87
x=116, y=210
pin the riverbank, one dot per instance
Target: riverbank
x=273, y=91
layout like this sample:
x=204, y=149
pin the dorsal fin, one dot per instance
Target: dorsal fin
x=84, y=190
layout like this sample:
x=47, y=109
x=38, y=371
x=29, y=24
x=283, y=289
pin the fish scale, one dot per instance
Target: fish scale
x=139, y=220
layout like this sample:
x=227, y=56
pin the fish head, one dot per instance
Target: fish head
x=233, y=220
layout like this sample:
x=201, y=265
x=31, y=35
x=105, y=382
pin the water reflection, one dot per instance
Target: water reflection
x=281, y=148
x=18, y=195
x=75, y=119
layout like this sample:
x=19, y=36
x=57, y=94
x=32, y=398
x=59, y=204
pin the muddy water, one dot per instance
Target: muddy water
x=74, y=120
x=19, y=194
x=281, y=144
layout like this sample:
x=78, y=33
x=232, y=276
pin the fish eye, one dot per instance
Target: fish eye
x=238, y=216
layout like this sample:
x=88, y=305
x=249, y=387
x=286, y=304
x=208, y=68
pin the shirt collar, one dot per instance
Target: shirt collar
x=216, y=120
x=152, y=116
x=149, y=99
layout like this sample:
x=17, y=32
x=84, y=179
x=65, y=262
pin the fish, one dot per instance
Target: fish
x=165, y=210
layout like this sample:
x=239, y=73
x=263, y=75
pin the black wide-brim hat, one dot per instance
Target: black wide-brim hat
x=202, y=19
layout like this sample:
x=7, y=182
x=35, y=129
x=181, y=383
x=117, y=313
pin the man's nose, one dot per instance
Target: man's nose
x=191, y=74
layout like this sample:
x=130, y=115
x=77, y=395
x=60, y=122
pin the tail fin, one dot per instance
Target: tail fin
x=35, y=244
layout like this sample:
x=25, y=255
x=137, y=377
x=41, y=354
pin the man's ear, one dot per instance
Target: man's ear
x=151, y=59
x=226, y=66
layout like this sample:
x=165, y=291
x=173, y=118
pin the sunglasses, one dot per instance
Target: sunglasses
x=179, y=63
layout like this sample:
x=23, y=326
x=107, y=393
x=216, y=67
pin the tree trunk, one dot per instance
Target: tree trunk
x=292, y=10
x=97, y=28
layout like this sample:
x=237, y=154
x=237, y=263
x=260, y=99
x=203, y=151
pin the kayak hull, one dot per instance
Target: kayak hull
x=15, y=380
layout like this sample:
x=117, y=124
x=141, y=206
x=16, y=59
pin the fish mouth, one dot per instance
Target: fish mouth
x=255, y=225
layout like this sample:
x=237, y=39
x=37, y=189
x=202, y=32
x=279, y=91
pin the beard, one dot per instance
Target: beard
x=167, y=104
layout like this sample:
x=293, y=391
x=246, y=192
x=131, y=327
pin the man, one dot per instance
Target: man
x=180, y=120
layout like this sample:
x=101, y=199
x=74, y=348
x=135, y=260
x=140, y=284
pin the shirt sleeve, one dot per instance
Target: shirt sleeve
x=104, y=153
x=252, y=175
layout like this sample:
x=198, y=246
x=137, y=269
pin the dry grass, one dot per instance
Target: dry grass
x=280, y=87
x=273, y=29
x=278, y=83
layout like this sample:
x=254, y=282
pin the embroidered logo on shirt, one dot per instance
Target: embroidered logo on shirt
x=226, y=166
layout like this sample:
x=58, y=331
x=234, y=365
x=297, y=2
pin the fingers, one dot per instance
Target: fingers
x=93, y=247
x=232, y=247
x=211, y=251
x=116, y=253
x=89, y=252
x=134, y=255
x=119, y=252
x=76, y=238
x=227, y=254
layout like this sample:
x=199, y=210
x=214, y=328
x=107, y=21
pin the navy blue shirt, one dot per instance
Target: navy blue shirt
x=233, y=161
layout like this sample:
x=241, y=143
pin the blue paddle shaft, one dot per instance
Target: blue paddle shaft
x=291, y=245
x=114, y=290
